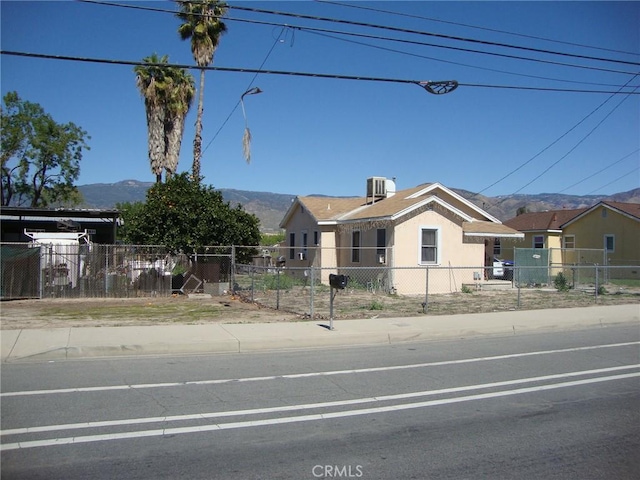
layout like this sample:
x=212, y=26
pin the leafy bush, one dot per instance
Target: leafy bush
x=560, y=283
x=376, y=305
x=466, y=289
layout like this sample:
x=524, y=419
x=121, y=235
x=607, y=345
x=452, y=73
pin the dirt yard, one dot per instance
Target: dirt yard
x=112, y=312
x=102, y=312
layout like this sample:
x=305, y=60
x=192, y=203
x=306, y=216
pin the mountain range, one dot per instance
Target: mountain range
x=271, y=207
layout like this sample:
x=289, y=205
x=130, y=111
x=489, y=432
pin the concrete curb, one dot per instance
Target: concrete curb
x=74, y=343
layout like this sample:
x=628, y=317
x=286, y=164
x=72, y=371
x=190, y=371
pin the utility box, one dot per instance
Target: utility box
x=338, y=281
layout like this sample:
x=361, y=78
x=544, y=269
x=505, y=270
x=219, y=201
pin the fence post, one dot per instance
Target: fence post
x=278, y=289
x=425, y=304
x=232, y=279
x=518, y=281
x=596, y=289
x=312, y=274
x=253, y=276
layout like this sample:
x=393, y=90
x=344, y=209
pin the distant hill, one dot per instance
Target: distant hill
x=268, y=207
x=271, y=207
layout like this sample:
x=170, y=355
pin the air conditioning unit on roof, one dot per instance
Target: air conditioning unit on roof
x=376, y=187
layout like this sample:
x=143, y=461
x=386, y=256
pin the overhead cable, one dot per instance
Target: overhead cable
x=572, y=149
x=248, y=87
x=396, y=29
x=599, y=171
x=614, y=181
x=419, y=82
x=552, y=143
x=432, y=34
x=477, y=27
x=402, y=52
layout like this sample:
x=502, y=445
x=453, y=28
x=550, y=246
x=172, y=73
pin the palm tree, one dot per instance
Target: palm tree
x=168, y=93
x=180, y=92
x=151, y=81
x=203, y=25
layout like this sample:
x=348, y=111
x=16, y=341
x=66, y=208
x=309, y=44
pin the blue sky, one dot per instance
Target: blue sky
x=326, y=136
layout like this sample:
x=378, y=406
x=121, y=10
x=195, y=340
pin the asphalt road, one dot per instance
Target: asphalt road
x=554, y=405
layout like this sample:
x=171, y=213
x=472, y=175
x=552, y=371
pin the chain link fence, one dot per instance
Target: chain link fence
x=397, y=292
x=91, y=270
x=292, y=280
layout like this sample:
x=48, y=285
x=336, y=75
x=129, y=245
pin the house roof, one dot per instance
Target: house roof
x=332, y=210
x=631, y=210
x=488, y=229
x=543, y=221
x=555, y=220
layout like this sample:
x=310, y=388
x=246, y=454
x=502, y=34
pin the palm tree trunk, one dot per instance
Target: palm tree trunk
x=155, y=127
x=197, y=141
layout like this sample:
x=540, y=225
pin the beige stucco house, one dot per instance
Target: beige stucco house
x=398, y=232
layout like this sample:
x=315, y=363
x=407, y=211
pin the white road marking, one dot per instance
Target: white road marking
x=307, y=375
x=304, y=418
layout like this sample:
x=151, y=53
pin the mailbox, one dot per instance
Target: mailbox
x=338, y=281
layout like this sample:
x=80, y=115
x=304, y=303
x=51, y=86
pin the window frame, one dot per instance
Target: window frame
x=438, y=240
x=608, y=236
x=541, y=242
x=355, y=248
x=292, y=245
x=565, y=241
x=497, y=247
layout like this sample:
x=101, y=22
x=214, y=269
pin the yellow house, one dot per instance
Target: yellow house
x=611, y=226
x=398, y=232
x=540, y=229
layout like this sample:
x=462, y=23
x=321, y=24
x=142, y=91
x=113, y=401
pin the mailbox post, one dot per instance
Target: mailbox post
x=337, y=282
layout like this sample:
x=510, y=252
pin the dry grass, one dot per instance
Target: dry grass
x=294, y=306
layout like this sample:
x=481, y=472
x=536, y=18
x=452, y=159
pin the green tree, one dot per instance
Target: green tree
x=186, y=216
x=203, y=26
x=40, y=158
x=168, y=93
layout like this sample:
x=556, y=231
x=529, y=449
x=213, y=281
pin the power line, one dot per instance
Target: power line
x=467, y=50
x=614, y=181
x=431, y=34
x=298, y=74
x=574, y=147
x=378, y=47
x=458, y=49
x=599, y=171
x=248, y=87
x=551, y=144
x=466, y=25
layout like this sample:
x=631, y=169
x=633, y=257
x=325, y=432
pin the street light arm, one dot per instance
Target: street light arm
x=251, y=91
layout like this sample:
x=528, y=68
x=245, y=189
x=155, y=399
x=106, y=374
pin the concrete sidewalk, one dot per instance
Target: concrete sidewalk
x=70, y=343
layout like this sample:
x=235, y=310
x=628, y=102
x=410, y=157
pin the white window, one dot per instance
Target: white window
x=610, y=243
x=538, y=241
x=569, y=242
x=429, y=239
